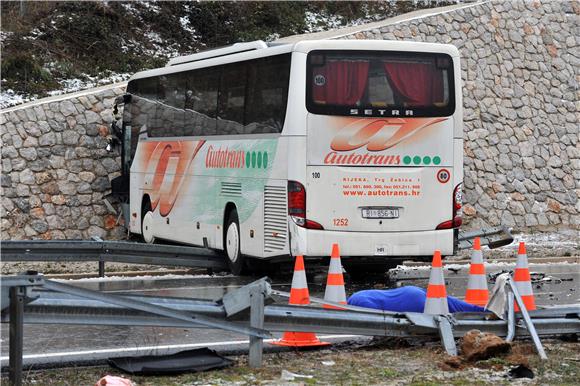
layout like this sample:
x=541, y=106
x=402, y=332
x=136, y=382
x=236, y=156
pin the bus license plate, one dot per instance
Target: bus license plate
x=380, y=213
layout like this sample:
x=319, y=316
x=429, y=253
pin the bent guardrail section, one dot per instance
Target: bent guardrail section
x=111, y=251
x=33, y=299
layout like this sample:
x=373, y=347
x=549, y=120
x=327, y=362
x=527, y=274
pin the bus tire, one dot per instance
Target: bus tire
x=147, y=224
x=236, y=261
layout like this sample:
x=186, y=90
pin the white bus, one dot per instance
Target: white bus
x=270, y=151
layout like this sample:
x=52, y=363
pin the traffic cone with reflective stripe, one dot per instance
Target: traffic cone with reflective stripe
x=522, y=279
x=335, y=291
x=477, y=292
x=436, y=302
x=299, y=296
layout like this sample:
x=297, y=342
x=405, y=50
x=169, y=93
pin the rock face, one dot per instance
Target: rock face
x=520, y=100
x=477, y=345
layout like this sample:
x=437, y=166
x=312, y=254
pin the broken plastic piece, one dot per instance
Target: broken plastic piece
x=111, y=380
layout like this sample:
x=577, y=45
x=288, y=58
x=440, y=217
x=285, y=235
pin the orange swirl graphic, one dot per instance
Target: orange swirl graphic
x=380, y=134
x=168, y=162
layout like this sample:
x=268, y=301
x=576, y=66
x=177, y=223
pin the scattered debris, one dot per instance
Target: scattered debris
x=328, y=363
x=521, y=371
x=288, y=376
x=477, y=345
x=569, y=337
x=201, y=359
x=451, y=363
x=111, y=380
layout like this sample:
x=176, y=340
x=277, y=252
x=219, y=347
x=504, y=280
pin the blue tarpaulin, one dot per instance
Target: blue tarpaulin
x=404, y=299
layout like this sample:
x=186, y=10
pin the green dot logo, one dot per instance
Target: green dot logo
x=436, y=160
x=253, y=159
x=406, y=160
x=265, y=160
x=248, y=160
x=426, y=160
x=259, y=160
x=416, y=160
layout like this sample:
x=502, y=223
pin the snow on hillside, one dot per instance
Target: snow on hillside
x=9, y=97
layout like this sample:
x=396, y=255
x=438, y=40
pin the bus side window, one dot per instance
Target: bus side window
x=232, y=99
x=201, y=101
x=173, y=106
x=143, y=106
x=158, y=125
x=267, y=94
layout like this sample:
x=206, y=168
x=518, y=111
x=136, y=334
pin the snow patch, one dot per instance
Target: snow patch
x=10, y=98
x=144, y=277
x=317, y=22
x=186, y=25
x=160, y=47
x=149, y=5
x=129, y=8
x=4, y=35
x=72, y=85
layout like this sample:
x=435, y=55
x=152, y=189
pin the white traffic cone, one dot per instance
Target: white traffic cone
x=436, y=302
x=335, y=291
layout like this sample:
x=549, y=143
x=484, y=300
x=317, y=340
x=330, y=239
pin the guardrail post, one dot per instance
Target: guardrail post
x=256, y=321
x=446, y=335
x=511, y=318
x=528, y=320
x=17, y=295
x=101, y=268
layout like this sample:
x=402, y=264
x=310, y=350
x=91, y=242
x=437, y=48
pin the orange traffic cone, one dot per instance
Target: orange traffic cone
x=522, y=279
x=477, y=292
x=436, y=302
x=335, y=291
x=299, y=296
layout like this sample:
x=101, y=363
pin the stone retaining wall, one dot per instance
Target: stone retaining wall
x=56, y=170
x=522, y=160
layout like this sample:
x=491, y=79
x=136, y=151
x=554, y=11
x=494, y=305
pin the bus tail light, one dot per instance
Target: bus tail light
x=297, y=206
x=457, y=211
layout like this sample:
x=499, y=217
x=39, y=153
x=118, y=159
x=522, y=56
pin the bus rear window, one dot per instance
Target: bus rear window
x=379, y=83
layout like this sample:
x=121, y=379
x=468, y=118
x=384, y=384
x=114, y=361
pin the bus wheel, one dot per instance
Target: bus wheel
x=147, y=225
x=232, y=244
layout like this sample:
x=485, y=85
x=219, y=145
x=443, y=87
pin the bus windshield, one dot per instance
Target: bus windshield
x=380, y=83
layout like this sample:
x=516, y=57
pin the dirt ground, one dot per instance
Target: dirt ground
x=391, y=362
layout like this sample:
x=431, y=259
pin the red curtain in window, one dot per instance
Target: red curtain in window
x=419, y=84
x=340, y=82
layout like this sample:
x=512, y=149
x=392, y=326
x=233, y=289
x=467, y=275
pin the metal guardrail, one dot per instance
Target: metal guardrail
x=492, y=237
x=33, y=299
x=110, y=251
